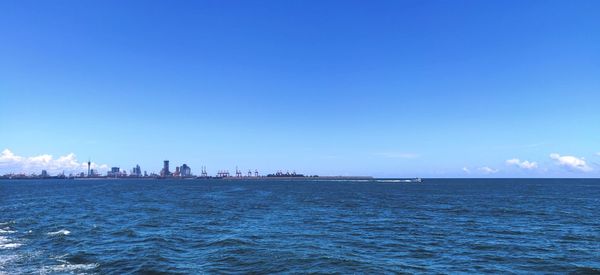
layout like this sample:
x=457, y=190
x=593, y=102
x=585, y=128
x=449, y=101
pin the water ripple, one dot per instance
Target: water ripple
x=175, y=227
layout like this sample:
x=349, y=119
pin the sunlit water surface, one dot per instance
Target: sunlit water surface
x=195, y=226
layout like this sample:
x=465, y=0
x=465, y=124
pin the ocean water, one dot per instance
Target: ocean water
x=195, y=226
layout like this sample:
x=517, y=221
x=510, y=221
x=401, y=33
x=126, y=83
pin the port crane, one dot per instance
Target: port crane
x=223, y=174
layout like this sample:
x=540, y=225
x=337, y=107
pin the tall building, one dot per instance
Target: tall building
x=114, y=172
x=185, y=171
x=89, y=170
x=44, y=174
x=136, y=171
x=165, y=171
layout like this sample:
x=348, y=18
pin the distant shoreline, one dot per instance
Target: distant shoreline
x=195, y=178
x=233, y=179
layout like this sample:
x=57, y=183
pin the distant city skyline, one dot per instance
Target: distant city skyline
x=388, y=89
x=69, y=164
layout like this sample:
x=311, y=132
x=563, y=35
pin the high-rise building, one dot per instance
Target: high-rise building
x=165, y=171
x=185, y=171
x=89, y=170
x=44, y=174
x=114, y=172
x=136, y=171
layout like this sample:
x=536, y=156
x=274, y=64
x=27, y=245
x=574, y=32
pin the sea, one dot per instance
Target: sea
x=447, y=226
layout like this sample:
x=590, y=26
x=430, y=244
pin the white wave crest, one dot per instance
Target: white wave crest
x=63, y=232
x=10, y=245
x=68, y=267
x=6, y=243
x=7, y=230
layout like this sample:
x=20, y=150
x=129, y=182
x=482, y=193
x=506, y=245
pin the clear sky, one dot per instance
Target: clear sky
x=383, y=88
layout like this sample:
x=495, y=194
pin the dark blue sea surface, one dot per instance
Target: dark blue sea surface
x=219, y=226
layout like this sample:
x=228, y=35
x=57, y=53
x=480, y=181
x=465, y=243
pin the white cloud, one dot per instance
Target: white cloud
x=488, y=170
x=571, y=162
x=598, y=154
x=397, y=155
x=522, y=164
x=11, y=163
x=466, y=170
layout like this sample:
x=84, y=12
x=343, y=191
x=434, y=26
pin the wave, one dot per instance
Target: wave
x=10, y=245
x=7, y=230
x=227, y=242
x=69, y=264
x=586, y=270
x=68, y=267
x=5, y=260
x=63, y=232
x=6, y=243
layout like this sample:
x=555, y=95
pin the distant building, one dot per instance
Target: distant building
x=136, y=171
x=185, y=171
x=114, y=172
x=177, y=173
x=165, y=171
x=44, y=174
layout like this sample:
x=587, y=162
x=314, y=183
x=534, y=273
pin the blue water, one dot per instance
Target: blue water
x=163, y=226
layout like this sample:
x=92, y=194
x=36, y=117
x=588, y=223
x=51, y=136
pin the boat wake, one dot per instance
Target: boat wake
x=415, y=180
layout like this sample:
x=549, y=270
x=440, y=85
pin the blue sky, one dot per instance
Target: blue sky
x=384, y=88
